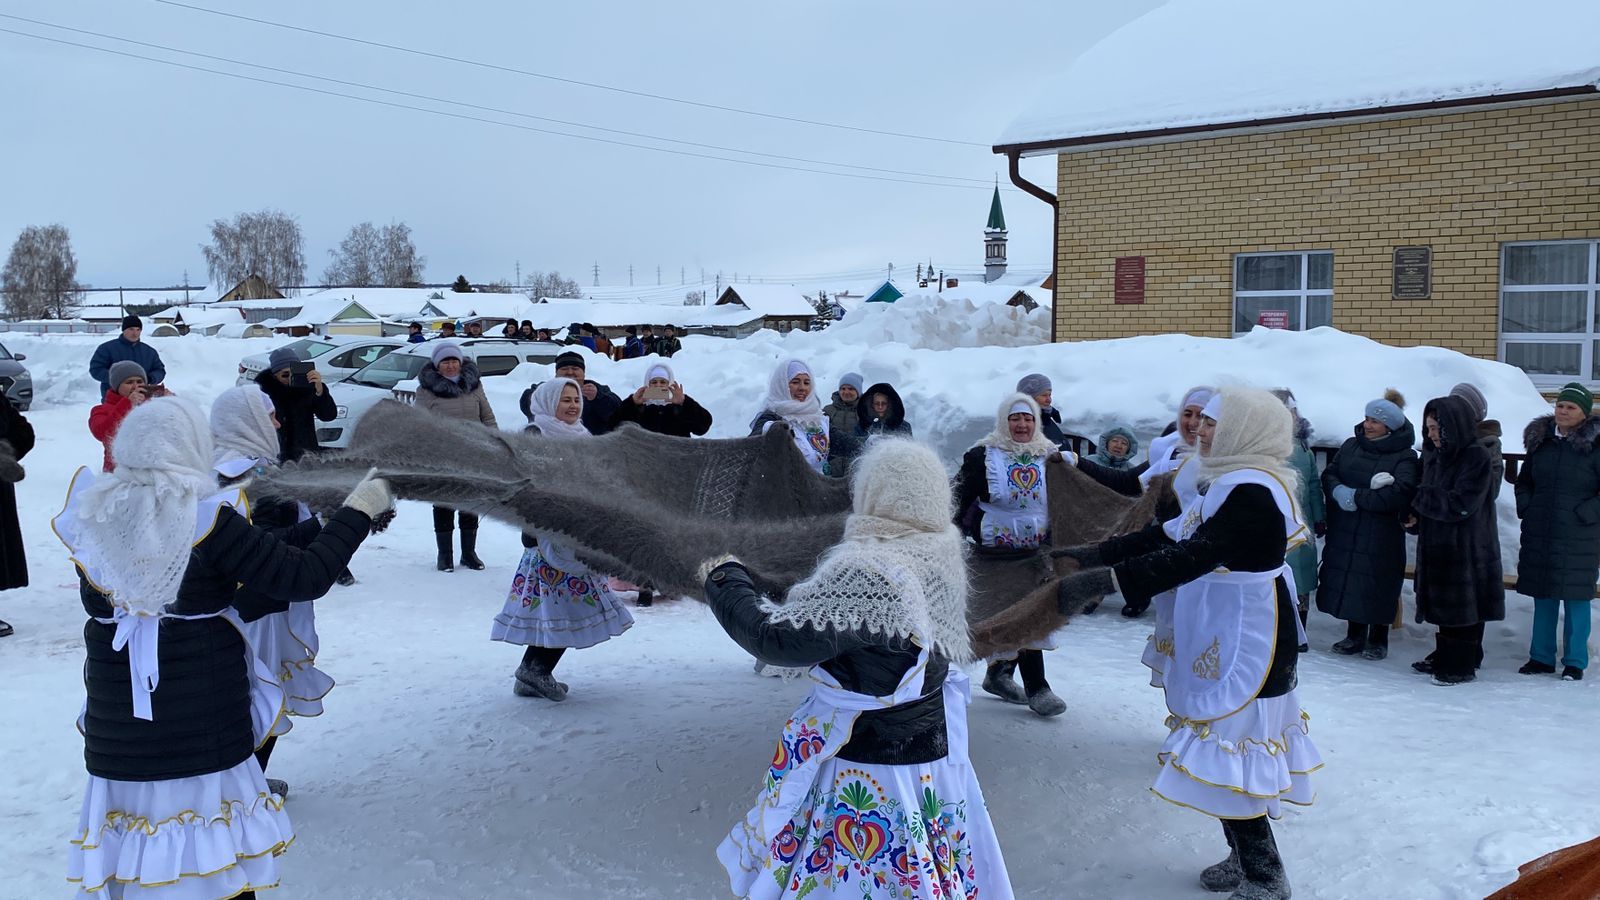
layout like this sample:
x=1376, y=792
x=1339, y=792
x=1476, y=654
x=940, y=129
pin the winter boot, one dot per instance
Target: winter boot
x=469, y=550
x=446, y=561
x=1042, y=700
x=1354, y=642
x=998, y=681
x=1259, y=863
x=279, y=787
x=1534, y=667
x=1225, y=875
x=1571, y=673
x=1377, y=642
x=646, y=597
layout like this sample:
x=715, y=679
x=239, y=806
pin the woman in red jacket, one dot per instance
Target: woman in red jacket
x=129, y=391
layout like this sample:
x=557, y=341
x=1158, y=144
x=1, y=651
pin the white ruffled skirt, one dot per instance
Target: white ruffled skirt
x=548, y=607
x=287, y=644
x=1241, y=766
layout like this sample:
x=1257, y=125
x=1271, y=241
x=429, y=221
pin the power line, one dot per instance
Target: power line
x=476, y=106
x=470, y=118
x=572, y=81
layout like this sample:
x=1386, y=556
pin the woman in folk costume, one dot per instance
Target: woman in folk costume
x=1171, y=454
x=1239, y=745
x=244, y=430
x=176, y=806
x=792, y=400
x=556, y=603
x=870, y=793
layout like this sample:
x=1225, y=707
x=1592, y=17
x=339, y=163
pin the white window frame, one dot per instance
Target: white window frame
x=1300, y=295
x=1585, y=339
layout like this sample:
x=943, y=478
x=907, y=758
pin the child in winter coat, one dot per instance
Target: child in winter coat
x=130, y=391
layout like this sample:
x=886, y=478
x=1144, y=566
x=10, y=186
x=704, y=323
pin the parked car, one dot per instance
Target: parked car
x=337, y=356
x=394, y=377
x=15, y=382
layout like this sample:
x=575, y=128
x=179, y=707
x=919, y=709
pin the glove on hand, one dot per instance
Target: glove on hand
x=371, y=496
x=1382, y=480
x=1079, y=590
x=11, y=471
x=709, y=565
x=1088, y=555
x=1345, y=496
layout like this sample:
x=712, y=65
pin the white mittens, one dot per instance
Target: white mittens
x=371, y=496
x=1382, y=480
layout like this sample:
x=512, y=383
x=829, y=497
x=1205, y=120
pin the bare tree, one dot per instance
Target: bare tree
x=354, y=262
x=266, y=243
x=541, y=284
x=40, y=280
x=498, y=286
x=694, y=298
x=398, y=264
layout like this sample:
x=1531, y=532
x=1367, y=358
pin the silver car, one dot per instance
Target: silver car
x=337, y=356
x=15, y=382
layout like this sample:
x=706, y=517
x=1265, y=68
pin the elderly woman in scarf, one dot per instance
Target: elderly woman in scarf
x=1238, y=745
x=870, y=793
x=177, y=700
x=792, y=400
x=555, y=603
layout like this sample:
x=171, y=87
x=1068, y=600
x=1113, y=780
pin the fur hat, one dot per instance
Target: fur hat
x=1474, y=398
x=445, y=350
x=570, y=358
x=282, y=358
x=1389, y=409
x=122, y=370
x=1033, y=384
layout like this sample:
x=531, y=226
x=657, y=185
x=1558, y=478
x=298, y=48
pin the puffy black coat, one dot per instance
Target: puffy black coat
x=868, y=423
x=298, y=406
x=1364, y=559
x=202, y=706
x=862, y=661
x=1459, y=574
x=1558, y=500
x=685, y=420
x=13, y=560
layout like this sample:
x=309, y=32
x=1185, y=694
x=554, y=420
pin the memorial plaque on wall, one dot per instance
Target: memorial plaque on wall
x=1129, y=279
x=1413, y=273
x=1273, y=318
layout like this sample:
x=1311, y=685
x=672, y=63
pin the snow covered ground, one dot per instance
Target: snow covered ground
x=427, y=778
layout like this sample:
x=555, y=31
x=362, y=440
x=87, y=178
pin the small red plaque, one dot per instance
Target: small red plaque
x=1130, y=279
x=1274, y=318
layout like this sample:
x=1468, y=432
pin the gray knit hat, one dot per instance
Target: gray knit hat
x=1474, y=398
x=1033, y=384
x=853, y=379
x=444, y=350
x=1388, y=409
x=282, y=358
x=122, y=371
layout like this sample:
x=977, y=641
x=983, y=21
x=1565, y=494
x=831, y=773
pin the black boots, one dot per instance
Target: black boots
x=469, y=549
x=999, y=681
x=1261, y=875
x=646, y=597
x=1377, y=642
x=444, y=540
x=534, y=678
x=1225, y=875
x=1042, y=700
x=1354, y=642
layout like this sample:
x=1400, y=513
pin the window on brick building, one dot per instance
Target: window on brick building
x=1548, y=310
x=1272, y=287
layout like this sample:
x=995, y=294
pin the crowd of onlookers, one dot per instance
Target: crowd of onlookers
x=637, y=340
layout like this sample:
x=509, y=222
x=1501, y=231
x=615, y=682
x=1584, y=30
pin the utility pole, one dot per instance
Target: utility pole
x=185, y=287
x=891, y=271
x=597, y=274
x=682, y=278
x=658, y=276
x=519, y=273
x=719, y=285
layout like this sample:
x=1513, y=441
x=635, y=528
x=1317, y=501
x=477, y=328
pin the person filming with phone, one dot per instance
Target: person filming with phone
x=660, y=405
x=130, y=388
x=298, y=395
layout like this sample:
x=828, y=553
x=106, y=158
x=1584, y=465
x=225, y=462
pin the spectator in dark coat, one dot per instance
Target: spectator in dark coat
x=526, y=332
x=298, y=400
x=841, y=413
x=17, y=435
x=678, y=415
x=127, y=347
x=600, y=403
x=450, y=385
x=668, y=345
x=881, y=411
x=1489, y=431
x=1458, y=580
x=510, y=331
x=130, y=391
x=1038, y=387
x=1558, y=500
x=1368, y=487
x=1117, y=447
x=647, y=338
x=416, y=336
x=632, y=348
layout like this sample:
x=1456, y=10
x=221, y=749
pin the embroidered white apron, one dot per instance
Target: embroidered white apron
x=1016, y=514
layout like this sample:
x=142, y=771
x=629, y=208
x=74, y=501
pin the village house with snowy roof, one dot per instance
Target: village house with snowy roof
x=1420, y=173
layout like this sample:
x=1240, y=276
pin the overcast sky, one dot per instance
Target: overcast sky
x=137, y=158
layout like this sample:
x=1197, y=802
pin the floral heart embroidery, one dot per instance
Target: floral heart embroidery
x=863, y=835
x=786, y=846
x=818, y=439
x=1023, y=478
x=549, y=574
x=808, y=746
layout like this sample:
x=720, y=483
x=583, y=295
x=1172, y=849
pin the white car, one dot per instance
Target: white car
x=337, y=356
x=393, y=377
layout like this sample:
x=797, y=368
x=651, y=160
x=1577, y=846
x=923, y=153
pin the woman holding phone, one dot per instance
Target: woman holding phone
x=661, y=406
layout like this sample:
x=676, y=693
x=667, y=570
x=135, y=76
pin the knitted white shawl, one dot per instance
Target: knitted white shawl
x=543, y=407
x=241, y=426
x=137, y=524
x=796, y=412
x=899, y=570
x=1000, y=437
x=1254, y=431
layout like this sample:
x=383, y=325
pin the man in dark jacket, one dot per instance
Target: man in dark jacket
x=416, y=336
x=600, y=403
x=298, y=400
x=669, y=344
x=1558, y=501
x=126, y=347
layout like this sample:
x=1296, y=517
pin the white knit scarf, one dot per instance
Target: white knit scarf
x=1000, y=437
x=796, y=412
x=241, y=426
x=1254, y=431
x=543, y=406
x=137, y=524
x=899, y=570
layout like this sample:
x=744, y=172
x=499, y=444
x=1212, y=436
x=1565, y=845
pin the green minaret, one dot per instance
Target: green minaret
x=994, y=240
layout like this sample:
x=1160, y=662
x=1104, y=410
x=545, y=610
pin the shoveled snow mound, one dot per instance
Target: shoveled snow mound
x=931, y=322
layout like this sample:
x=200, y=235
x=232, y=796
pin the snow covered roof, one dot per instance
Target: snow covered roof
x=388, y=303
x=99, y=313
x=978, y=292
x=499, y=306
x=1197, y=65
x=621, y=315
x=199, y=315
x=769, y=299
x=147, y=297
x=316, y=312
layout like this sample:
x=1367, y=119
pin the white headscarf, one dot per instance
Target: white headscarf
x=899, y=570
x=241, y=426
x=1254, y=431
x=808, y=410
x=136, y=525
x=658, y=370
x=1000, y=437
x=543, y=405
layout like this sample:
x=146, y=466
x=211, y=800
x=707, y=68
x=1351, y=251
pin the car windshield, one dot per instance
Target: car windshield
x=305, y=348
x=390, y=370
x=4, y=353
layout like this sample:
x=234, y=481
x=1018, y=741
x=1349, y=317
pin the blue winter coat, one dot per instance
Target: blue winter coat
x=118, y=349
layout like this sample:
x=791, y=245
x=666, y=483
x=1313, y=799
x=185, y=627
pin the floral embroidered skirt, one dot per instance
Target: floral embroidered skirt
x=551, y=608
x=912, y=832
x=1240, y=766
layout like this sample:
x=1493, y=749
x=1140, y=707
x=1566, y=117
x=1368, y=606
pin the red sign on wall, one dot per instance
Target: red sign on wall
x=1274, y=318
x=1129, y=279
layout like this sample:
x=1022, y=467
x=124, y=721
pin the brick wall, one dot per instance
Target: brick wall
x=1461, y=183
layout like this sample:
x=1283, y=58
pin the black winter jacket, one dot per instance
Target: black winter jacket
x=297, y=405
x=1050, y=427
x=868, y=423
x=1458, y=535
x=13, y=559
x=971, y=485
x=202, y=706
x=1364, y=559
x=862, y=661
x=1558, y=500
x=686, y=420
x=1245, y=534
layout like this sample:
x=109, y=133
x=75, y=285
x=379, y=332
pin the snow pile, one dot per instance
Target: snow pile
x=932, y=322
x=1207, y=62
x=197, y=366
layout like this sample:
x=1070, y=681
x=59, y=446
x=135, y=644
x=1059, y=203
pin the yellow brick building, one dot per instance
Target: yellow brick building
x=1469, y=221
